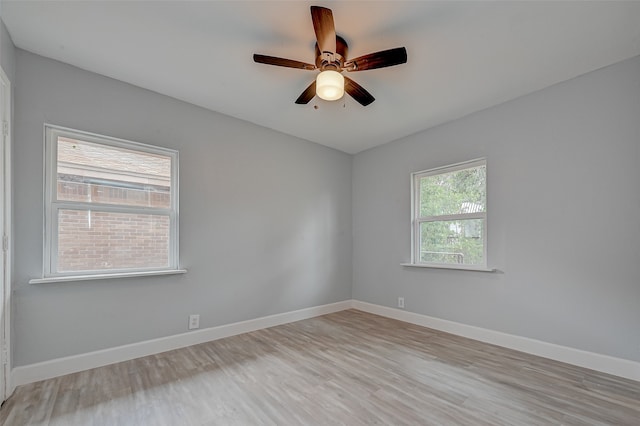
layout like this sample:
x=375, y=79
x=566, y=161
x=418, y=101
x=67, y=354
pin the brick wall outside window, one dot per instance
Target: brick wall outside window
x=90, y=240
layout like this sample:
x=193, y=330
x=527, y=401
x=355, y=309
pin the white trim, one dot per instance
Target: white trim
x=417, y=220
x=109, y=140
x=452, y=217
x=6, y=228
x=52, y=205
x=449, y=266
x=594, y=361
x=68, y=278
x=477, y=162
x=72, y=364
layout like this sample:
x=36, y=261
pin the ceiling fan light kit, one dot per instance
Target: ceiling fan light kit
x=331, y=52
x=330, y=85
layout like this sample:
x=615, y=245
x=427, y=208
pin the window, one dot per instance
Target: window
x=450, y=216
x=111, y=205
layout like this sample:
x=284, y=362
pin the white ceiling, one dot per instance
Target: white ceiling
x=463, y=56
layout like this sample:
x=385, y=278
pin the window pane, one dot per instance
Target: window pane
x=95, y=173
x=91, y=240
x=462, y=191
x=456, y=242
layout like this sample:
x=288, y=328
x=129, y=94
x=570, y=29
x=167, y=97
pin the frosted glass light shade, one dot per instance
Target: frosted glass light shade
x=330, y=85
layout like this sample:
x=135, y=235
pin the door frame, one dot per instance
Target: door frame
x=5, y=235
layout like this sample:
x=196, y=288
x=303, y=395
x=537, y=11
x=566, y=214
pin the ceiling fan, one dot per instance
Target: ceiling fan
x=331, y=60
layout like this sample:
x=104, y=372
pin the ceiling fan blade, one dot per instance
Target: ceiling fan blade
x=282, y=62
x=357, y=92
x=324, y=28
x=384, y=58
x=308, y=94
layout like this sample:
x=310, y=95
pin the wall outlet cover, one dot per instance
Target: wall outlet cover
x=194, y=321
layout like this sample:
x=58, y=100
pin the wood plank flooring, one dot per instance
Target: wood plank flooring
x=350, y=368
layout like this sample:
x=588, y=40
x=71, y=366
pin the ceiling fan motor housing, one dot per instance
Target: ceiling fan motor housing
x=331, y=60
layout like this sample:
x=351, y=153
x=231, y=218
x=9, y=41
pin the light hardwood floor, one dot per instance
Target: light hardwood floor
x=348, y=368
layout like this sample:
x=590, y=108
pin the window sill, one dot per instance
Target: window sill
x=69, y=278
x=460, y=268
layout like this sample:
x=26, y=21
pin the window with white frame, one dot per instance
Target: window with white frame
x=111, y=205
x=450, y=216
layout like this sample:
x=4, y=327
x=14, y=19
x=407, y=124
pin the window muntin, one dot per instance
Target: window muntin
x=449, y=215
x=111, y=205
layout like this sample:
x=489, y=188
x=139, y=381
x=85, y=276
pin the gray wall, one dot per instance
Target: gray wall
x=7, y=53
x=265, y=218
x=563, y=216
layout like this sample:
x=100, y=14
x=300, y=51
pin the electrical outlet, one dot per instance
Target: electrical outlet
x=194, y=321
x=401, y=302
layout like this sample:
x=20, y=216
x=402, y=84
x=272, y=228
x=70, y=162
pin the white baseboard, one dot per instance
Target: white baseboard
x=603, y=363
x=72, y=364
